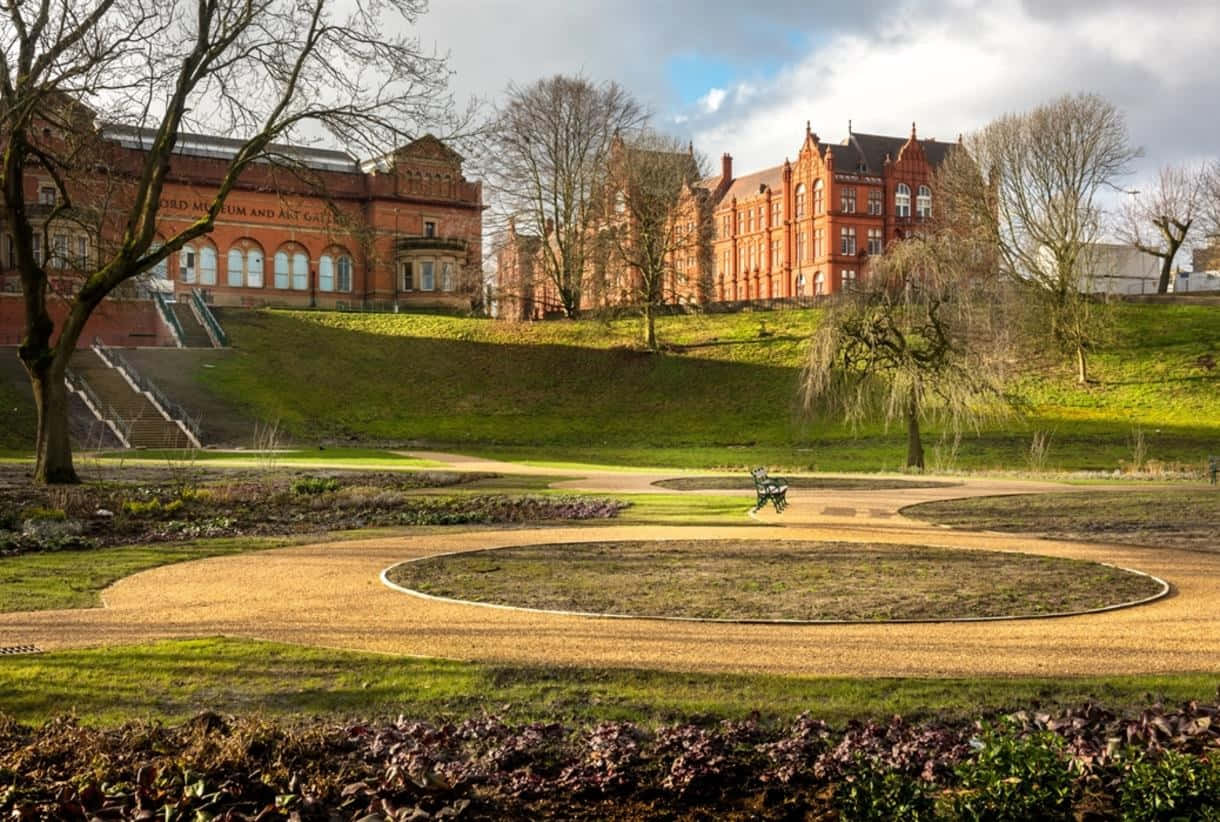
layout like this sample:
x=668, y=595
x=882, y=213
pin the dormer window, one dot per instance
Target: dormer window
x=429, y=228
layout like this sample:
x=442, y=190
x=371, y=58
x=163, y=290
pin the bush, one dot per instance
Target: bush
x=153, y=509
x=872, y=792
x=1015, y=778
x=312, y=486
x=46, y=514
x=1175, y=786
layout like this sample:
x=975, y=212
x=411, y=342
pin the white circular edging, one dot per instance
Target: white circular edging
x=385, y=579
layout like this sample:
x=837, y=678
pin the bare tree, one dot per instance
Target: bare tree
x=655, y=219
x=921, y=338
x=546, y=162
x=1039, y=180
x=1158, y=220
x=258, y=70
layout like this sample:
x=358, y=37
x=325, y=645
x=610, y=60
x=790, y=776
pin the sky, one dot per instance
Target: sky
x=744, y=77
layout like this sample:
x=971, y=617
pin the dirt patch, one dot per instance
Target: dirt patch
x=1182, y=517
x=781, y=580
x=745, y=483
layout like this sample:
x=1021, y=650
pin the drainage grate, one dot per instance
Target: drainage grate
x=12, y=650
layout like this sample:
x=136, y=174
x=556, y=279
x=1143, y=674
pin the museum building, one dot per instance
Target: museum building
x=316, y=228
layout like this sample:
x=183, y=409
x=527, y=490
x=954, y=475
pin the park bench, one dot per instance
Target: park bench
x=1213, y=468
x=770, y=489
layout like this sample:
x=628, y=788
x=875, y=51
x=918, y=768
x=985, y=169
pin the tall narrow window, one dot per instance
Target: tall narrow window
x=800, y=247
x=847, y=199
x=300, y=271
x=408, y=277
x=37, y=242
x=847, y=279
x=207, y=265
x=82, y=251
x=282, y=271
x=800, y=201
x=741, y=222
x=777, y=212
x=923, y=202
x=59, y=250
x=902, y=201
x=819, y=284
x=46, y=195
x=254, y=268
x=819, y=245
x=800, y=285
x=447, y=277
x=429, y=228
x=847, y=240
x=187, y=265
x=818, y=199
x=343, y=273
x=875, y=200
x=235, y=274
x=875, y=242
x=426, y=277
x=326, y=273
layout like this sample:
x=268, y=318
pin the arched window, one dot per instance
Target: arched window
x=207, y=265
x=235, y=269
x=254, y=267
x=902, y=201
x=335, y=271
x=818, y=199
x=282, y=277
x=188, y=265
x=343, y=273
x=300, y=271
x=244, y=265
x=923, y=202
x=800, y=201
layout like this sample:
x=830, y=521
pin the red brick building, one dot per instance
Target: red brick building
x=319, y=229
x=800, y=229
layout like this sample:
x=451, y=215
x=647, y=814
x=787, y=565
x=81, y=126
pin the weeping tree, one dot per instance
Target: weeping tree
x=546, y=162
x=921, y=339
x=260, y=71
x=656, y=220
x=1039, y=181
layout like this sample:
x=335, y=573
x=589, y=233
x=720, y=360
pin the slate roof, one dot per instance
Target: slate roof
x=746, y=187
x=872, y=148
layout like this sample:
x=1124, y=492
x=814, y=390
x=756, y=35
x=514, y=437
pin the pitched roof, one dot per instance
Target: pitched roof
x=225, y=148
x=748, y=186
x=872, y=148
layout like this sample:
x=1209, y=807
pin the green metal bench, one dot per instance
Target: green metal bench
x=770, y=489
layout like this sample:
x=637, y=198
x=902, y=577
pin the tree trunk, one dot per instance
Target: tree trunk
x=650, y=327
x=914, y=442
x=53, y=448
x=1162, y=286
x=1082, y=365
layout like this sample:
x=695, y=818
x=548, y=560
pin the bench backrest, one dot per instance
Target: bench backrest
x=760, y=475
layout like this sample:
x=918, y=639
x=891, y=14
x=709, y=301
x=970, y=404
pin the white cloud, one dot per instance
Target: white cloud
x=711, y=101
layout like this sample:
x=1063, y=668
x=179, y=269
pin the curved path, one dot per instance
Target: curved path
x=330, y=595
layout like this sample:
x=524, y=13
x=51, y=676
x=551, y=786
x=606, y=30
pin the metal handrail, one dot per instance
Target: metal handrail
x=105, y=411
x=175, y=411
x=209, y=318
x=168, y=315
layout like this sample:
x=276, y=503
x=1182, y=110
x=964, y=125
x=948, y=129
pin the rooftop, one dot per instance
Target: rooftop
x=225, y=148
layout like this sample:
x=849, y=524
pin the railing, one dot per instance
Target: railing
x=164, y=404
x=103, y=411
x=167, y=314
x=209, y=319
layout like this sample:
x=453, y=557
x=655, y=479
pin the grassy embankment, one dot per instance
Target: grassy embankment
x=724, y=395
x=172, y=680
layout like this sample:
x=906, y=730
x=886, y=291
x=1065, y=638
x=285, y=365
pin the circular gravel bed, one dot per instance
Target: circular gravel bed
x=745, y=483
x=753, y=580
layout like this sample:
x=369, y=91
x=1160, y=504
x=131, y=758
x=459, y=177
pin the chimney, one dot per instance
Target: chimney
x=726, y=167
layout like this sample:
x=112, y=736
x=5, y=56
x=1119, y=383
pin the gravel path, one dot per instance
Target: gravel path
x=330, y=595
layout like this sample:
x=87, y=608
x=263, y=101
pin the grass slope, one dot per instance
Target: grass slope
x=726, y=395
x=172, y=680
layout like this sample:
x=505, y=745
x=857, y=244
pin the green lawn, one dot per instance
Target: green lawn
x=173, y=680
x=724, y=396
